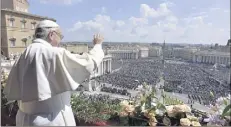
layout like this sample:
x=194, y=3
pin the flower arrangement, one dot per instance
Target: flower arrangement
x=220, y=112
x=8, y=108
x=94, y=109
x=148, y=109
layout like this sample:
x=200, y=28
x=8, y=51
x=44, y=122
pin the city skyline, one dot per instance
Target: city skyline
x=193, y=22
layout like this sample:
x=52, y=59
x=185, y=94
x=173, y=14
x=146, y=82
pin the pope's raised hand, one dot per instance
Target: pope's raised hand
x=98, y=39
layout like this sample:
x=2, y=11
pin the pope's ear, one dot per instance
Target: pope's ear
x=50, y=35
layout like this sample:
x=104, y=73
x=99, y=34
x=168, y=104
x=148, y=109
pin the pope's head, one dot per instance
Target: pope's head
x=50, y=31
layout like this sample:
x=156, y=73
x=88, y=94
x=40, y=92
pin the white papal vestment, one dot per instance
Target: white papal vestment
x=41, y=80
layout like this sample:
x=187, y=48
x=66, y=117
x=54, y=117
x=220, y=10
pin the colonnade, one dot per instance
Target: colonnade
x=212, y=59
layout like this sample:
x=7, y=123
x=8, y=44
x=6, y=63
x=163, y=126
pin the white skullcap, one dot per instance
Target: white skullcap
x=47, y=23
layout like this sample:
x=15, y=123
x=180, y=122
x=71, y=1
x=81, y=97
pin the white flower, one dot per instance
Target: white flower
x=185, y=122
x=216, y=120
x=153, y=104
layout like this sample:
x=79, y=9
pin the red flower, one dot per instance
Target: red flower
x=101, y=123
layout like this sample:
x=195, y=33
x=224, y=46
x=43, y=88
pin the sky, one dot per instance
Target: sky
x=175, y=21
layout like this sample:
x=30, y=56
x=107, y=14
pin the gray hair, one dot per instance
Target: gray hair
x=42, y=33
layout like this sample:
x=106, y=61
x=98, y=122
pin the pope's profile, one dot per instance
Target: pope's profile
x=43, y=76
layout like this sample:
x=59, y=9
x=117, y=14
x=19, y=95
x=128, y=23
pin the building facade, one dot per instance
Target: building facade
x=143, y=52
x=185, y=53
x=17, y=26
x=212, y=57
x=17, y=5
x=123, y=54
x=104, y=68
x=76, y=48
x=155, y=51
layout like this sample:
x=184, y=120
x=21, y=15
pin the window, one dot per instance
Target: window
x=23, y=21
x=25, y=44
x=97, y=70
x=23, y=25
x=12, y=43
x=24, y=41
x=32, y=26
x=11, y=23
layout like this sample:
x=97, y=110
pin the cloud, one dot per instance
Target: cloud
x=157, y=24
x=66, y=2
x=147, y=11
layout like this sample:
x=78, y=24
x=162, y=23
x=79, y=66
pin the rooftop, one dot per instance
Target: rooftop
x=213, y=53
x=27, y=14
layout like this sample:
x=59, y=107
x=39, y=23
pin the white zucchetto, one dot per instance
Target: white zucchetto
x=47, y=23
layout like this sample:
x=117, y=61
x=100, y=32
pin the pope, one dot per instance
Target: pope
x=42, y=79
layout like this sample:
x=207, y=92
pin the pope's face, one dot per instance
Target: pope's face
x=55, y=37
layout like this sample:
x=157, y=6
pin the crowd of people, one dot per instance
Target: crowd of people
x=100, y=97
x=187, y=78
x=133, y=73
x=195, y=80
x=116, y=91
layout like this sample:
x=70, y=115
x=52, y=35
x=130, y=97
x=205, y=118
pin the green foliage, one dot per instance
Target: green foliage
x=172, y=101
x=211, y=94
x=91, y=110
x=227, y=111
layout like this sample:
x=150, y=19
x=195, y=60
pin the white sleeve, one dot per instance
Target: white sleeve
x=78, y=68
x=90, y=60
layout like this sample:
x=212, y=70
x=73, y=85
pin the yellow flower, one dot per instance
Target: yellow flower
x=185, y=122
x=3, y=85
x=195, y=123
x=131, y=102
x=150, y=114
x=152, y=121
x=124, y=103
x=152, y=124
x=172, y=110
x=123, y=114
x=181, y=108
x=129, y=108
x=192, y=118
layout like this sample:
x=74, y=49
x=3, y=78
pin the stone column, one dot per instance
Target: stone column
x=105, y=71
x=210, y=59
x=213, y=59
x=225, y=60
x=105, y=66
x=101, y=68
x=110, y=65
